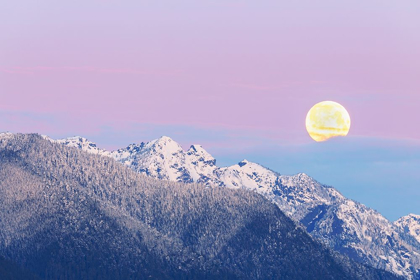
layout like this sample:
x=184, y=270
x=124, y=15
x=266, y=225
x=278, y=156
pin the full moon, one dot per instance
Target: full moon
x=327, y=119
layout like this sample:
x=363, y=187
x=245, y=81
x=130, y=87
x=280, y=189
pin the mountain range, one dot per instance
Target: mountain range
x=344, y=225
x=69, y=214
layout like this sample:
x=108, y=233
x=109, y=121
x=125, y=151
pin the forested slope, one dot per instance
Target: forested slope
x=67, y=214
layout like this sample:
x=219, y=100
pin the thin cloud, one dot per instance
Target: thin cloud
x=258, y=87
x=39, y=69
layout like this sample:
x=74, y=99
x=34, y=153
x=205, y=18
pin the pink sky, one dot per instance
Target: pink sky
x=240, y=64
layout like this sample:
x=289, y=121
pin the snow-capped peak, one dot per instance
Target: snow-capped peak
x=77, y=141
x=303, y=175
x=414, y=216
x=164, y=145
x=410, y=224
x=248, y=175
x=80, y=143
x=163, y=140
x=6, y=135
x=164, y=158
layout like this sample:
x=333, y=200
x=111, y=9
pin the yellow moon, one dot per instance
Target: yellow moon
x=327, y=119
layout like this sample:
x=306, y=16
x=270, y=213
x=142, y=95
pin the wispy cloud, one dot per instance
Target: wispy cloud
x=106, y=70
x=14, y=70
x=277, y=85
x=257, y=87
x=260, y=87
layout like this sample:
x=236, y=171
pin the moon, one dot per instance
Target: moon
x=326, y=120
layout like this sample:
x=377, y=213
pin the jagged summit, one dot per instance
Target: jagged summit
x=303, y=178
x=81, y=143
x=164, y=158
x=5, y=135
x=410, y=224
x=249, y=166
x=165, y=138
x=163, y=141
x=77, y=141
x=415, y=216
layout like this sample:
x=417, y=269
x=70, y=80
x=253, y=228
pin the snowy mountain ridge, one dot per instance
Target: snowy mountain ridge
x=347, y=226
x=81, y=143
x=410, y=224
x=69, y=214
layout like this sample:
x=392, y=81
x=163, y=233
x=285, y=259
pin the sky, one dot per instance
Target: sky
x=237, y=77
